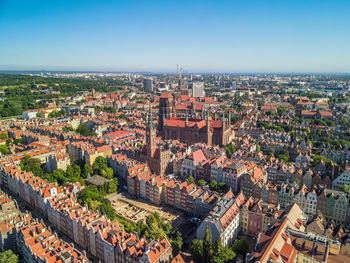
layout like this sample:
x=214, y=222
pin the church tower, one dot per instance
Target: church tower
x=166, y=109
x=150, y=136
x=209, y=135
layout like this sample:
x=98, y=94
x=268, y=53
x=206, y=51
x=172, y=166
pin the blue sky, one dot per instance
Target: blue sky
x=202, y=36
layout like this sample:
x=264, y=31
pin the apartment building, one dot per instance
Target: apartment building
x=223, y=220
x=233, y=174
x=56, y=161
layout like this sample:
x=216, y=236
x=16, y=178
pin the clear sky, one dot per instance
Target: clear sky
x=203, y=36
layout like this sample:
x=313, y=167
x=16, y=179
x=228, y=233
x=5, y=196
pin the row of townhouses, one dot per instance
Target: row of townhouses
x=103, y=239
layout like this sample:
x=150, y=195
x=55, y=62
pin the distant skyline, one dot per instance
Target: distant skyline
x=153, y=36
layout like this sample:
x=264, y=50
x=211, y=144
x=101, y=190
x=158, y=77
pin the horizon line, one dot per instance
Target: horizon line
x=173, y=72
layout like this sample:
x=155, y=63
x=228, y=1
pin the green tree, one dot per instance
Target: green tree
x=230, y=149
x=207, y=245
x=218, y=187
x=176, y=243
x=190, y=179
x=154, y=231
x=8, y=257
x=318, y=158
x=283, y=157
x=17, y=141
x=346, y=188
x=90, y=192
x=213, y=185
x=60, y=177
x=99, y=164
x=107, y=173
x=270, y=151
x=4, y=150
x=201, y=182
x=70, y=171
x=281, y=110
x=140, y=228
x=76, y=170
x=83, y=130
x=240, y=247
x=32, y=164
x=111, y=187
x=67, y=129
x=3, y=136
x=87, y=171
x=222, y=254
x=197, y=250
x=107, y=209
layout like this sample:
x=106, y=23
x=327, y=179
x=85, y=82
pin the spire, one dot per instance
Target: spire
x=186, y=118
x=223, y=119
x=163, y=117
x=150, y=120
x=229, y=117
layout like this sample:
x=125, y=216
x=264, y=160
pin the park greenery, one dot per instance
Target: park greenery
x=96, y=201
x=74, y=173
x=24, y=92
x=93, y=196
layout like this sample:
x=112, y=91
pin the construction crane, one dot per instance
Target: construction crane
x=179, y=71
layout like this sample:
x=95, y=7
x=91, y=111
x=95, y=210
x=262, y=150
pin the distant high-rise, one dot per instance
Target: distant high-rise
x=197, y=89
x=148, y=85
x=234, y=85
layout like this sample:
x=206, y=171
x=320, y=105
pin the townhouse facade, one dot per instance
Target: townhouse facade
x=161, y=190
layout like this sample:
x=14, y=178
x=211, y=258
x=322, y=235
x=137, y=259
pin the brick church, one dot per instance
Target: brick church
x=156, y=156
x=191, y=129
